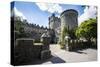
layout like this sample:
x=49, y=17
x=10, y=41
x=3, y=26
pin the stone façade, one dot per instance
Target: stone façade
x=68, y=18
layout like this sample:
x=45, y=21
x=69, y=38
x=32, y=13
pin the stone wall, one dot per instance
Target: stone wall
x=23, y=51
x=26, y=50
x=54, y=22
x=79, y=44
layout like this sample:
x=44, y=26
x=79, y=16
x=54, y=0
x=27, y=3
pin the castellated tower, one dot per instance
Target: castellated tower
x=54, y=22
x=69, y=19
x=54, y=25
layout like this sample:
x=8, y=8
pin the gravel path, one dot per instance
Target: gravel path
x=62, y=56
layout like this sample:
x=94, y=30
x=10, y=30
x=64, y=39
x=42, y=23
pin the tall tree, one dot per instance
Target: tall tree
x=87, y=29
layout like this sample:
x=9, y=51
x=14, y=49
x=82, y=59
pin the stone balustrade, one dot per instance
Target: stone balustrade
x=78, y=44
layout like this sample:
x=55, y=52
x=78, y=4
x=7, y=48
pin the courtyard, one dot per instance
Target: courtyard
x=62, y=56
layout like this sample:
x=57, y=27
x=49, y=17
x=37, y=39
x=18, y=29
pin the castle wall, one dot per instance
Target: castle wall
x=54, y=22
x=68, y=18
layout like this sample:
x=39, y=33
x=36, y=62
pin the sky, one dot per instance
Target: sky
x=38, y=13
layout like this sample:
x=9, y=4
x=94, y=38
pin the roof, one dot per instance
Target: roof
x=45, y=35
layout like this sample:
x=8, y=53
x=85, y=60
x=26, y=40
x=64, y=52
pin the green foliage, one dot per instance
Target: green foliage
x=37, y=41
x=19, y=29
x=64, y=32
x=67, y=32
x=72, y=33
x=87, y=29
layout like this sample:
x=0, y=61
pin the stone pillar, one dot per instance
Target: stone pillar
x=67, y=43
x=45, y=53
x=45, y=39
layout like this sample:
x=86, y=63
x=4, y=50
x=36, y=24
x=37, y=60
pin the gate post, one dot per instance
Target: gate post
x=67, y=43
x=45, y=53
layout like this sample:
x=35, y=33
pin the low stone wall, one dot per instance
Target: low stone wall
x=79, y=44
x=26, y=50
x=23, y=50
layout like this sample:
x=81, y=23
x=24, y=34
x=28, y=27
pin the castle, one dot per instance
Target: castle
x=68, y=18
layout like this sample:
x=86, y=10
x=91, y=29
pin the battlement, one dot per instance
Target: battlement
x=70, y=11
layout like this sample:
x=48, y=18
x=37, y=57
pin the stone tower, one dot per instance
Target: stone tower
x=54, y=22
x=69, y=19
x=54, y=25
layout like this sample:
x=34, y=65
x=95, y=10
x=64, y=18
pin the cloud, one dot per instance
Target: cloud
x=89, y=12
x=50, y=7
x=15, y=12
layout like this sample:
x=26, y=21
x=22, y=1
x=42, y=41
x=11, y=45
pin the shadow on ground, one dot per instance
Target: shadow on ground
x=53, y=59
x=56, y=59
x=80, y=51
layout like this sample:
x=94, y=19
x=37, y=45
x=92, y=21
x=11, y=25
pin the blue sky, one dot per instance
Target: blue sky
x=38, y=13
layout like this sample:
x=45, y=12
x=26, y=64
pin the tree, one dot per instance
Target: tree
x=19, y=28
x=72, y=33
x=64, y=32
x=67, y=32
x=87, y=29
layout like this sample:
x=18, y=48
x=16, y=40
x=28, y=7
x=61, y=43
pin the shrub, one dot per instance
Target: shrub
x=37, y=41
x=62, y=46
